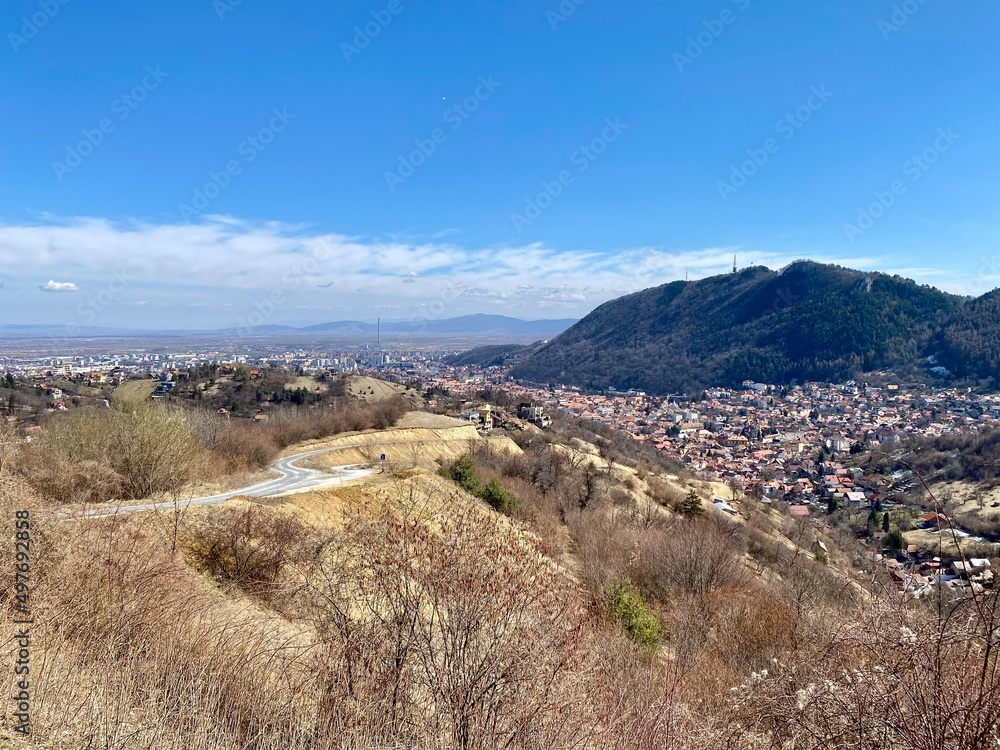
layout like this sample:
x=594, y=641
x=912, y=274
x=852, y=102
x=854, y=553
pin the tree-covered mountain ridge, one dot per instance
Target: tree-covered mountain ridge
x=808, y=321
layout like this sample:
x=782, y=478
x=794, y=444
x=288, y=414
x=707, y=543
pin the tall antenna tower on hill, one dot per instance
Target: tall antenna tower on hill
x=734, y=264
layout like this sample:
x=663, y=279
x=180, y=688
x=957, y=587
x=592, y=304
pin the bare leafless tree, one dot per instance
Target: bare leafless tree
x=460, y=626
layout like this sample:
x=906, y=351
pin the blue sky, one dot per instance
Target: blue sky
x=194, y=163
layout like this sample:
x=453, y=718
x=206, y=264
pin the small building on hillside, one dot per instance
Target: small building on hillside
x=534, y=414
x=485, y=416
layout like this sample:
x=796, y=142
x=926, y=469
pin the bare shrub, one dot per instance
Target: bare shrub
x=10, y=446
x=529, y=505
x=289, y=426
x=131, y=651
x=138, y=449
x=54, y=476
x=247, y=446
x=463, y=630
x=894, y=679
x=517, y=465
x=751, y=628
x=620, y=498
x=248, y=547
x=387, y=413
x=663, y=493
x=637, y=700
x=690, y=556
x=766, y=548
x=605, y=548
x=152, y=448
x=132, y=450
x=816, y=594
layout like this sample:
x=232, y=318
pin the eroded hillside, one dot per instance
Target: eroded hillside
x=548, y=591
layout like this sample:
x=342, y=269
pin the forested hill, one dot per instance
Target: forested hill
x=486, y=356
x=969, y=344
x=807, y=322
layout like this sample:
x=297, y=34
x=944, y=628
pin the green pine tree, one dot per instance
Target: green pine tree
x=895, y=540
x=640, y=623
x=464, y=474
x=874, y=521
x=691, y=505
x=497, y=496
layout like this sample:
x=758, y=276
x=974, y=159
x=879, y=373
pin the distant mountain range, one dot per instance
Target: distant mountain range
x=808, y=321
x=467, y=325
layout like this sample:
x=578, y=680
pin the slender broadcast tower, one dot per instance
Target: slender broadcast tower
x=379, y=334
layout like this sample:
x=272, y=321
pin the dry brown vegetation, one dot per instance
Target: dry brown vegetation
x=411, y=615
x=136, y=449
x=401, y=629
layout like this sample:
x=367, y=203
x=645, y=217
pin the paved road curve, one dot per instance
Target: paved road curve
x=293, y=479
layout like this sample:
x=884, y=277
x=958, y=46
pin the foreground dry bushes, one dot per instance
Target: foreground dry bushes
x=433, y=622
x=749, y=606
x=136, y=449
x=899, y=677
x=459, y=627
x=133, y=651
x=403, y=630
x=730, y=598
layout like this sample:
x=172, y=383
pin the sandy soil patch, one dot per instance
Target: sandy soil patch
x=587, y=453
x=404, y=447
x=418, y=490
x=970, y=499
x=429, y=421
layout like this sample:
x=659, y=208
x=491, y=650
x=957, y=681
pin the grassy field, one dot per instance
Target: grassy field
x=135, y=389
x=371, y=389
x=310, y=384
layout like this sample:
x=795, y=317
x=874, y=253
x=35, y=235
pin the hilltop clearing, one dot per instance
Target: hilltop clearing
x=372, y=390
x=135, y=390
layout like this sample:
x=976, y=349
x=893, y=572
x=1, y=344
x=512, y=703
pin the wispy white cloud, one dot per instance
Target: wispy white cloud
x=228, y=260
x=59, y=286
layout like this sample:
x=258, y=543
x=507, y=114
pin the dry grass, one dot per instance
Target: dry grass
x=135, y=390
x=417, y=619
x=404, y=447
x=426, y=420
x=139, y=450
x=404, y=614
x=372, y=390
x=231, y=633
